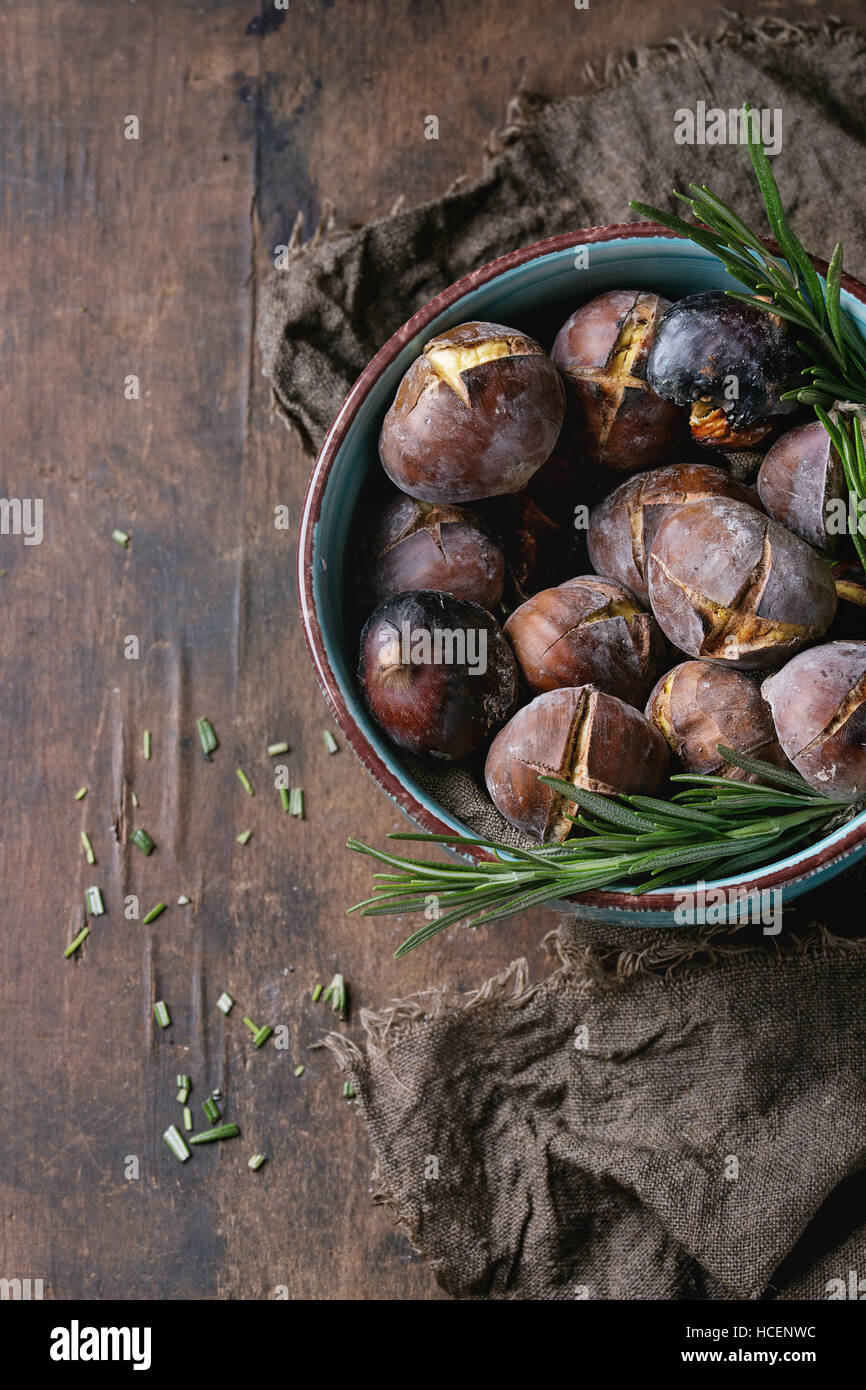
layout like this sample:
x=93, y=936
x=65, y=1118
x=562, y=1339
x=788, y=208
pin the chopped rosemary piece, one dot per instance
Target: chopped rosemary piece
x=245, y=781
x=145, y=744
x=183, y=1088
x=155, y=912
x=256, y=1162
x=336, y=995
x=121, y=537
x=88, y=848
x=275, y=749
x=207, y=1136
x=76, y=942
x=225, y=1003
x=207, y=736
x=330, y=742
x=81, y=794
x=262, y=1035
x=183, y=900
x=244, y=837
x=299, y=1071
x=317, y=994
x=248, y=1023
x=211, y=1110
x=134, y=799
x=94, y=903
x=161, y=1013
x=348, y=1090
x=187, y=1118
x=296, y=802
x=176, y=1143
x=142, y=840
x=284, y=798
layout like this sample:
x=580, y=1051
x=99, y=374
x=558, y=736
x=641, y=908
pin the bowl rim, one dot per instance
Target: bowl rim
x=659, y=900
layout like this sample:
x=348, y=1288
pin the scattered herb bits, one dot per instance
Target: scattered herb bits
x=76, y=942
x=284, y=798
x=211, y=1110
x=161, y=1013
x=88, y=848
x=93, y=901
x=336, y=995
x=244, y=837
x=142, y=840
x=225, y=1003
x=145, y=744
x=207, y=736
x=256, y=1162
x=207, y=1136
x=275, y=749
x=299, y=1071
x=183, y=1088
x=187, y=1118
x=296, y=802
x=176, y=1143
x=330, y=742
x=317, y=994
x=244, y=781
x=81, y=794
x=122, y=538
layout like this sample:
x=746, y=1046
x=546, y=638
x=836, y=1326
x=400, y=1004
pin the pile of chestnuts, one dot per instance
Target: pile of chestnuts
x=570, y=581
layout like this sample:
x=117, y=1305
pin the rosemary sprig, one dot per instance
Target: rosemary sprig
x=831, y=343
x=712, y=827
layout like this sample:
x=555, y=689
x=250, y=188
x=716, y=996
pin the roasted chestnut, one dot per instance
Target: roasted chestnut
x=602, y=349
x=622, y=527
x=475, y=415
x=819, y=708
x=587, y=631
x=419, y=545
x=730, y=584
x=436, y=673
x=590, y=739
x=730, y=362
x=697, y=706
x=800, y=478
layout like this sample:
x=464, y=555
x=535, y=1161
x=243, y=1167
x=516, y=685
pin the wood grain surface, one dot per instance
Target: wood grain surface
x=141, y=257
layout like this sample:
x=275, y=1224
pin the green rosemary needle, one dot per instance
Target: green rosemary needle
x=207, y=736
x=833, y=347
x=155, y=912
x=76, y=942
x=712, y=827
x=88, y=848
x=142, y=841
x=245, y=781
x=207, y=1136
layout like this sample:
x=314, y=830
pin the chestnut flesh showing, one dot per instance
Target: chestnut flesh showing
x=602, y=349
x=588, y=631
x=819, y=708
x=802, y=474
x=475, y=415
x=436, y=673
x=590, y=739
x=419, y=545
x=623, y=526
x=729, y=584
x=730, y=362
x=697, y=706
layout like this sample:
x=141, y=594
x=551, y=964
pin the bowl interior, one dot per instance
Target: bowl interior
x=536, y=297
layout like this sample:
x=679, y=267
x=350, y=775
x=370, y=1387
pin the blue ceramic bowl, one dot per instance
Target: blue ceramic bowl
x=531, y=288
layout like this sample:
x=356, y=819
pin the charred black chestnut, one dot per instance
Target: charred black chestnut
x=475, y=415
x=623, y=526
x=602, y=349
x=819, y=708
x=419, y=545
x=436, y=673
x=581, y=735
x=729, y=584
x=697, y=706
x=800, y=478
x=730, y=362
x=587, y=631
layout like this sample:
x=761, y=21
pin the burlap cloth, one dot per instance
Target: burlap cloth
x=661, y=1117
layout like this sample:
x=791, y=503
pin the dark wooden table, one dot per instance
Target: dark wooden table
x=140, y=258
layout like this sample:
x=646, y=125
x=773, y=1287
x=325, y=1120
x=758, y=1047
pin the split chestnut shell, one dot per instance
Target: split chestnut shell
x=698, y=705
x=819, y=708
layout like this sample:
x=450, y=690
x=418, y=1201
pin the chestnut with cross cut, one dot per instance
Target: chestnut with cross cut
x=699, y=705
x=800, y=478
x=602, y=349
x=623, y=525
x=588, y=631
x=818, y=702
x=475, y=415
x=419, y=545
x=590, y=739
x=729, y=584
